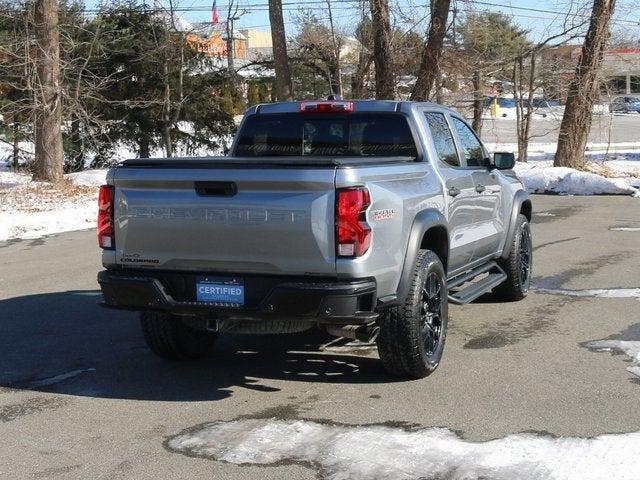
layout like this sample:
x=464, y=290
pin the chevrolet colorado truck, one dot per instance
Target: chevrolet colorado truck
x=365, y=218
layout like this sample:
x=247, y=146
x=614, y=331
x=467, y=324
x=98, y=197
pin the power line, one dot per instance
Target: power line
x=296, y=5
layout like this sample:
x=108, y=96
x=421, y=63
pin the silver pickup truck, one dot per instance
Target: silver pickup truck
x=365, y=218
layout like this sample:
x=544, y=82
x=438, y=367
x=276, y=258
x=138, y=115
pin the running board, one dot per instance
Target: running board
x=469, y=294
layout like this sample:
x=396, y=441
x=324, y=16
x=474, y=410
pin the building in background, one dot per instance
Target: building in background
x=259, y=46
x=621, y=68
x=620, y=71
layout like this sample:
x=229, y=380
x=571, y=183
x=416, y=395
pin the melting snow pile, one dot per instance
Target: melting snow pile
x=631, y=348
x=612, y=169
x=542, y=177
x=377, y=452
x=33, y=209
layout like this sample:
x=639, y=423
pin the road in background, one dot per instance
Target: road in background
x=606, y=128
x=82, y=397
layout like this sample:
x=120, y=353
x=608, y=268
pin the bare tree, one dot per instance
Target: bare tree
x=576, y=121
x=364, y=60
x=317, y=47
x=48, y=94
x=430, y=64
x=284, y=90
x=526, y=79
x=382, y=49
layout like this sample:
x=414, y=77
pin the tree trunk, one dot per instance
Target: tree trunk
x=166, y=114
x=284, y=90
x=576, y=121
x=144, y=149
x=432, y=53
x=382, y=48
x=16, y=145
x=439, y=87
x=48, y=95
x=526, y=128
x=358, y=79
x=77, y=153
x=478, y=102
x=335, y=85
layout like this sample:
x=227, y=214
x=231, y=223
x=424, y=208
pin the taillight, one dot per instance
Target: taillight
x=326, y=107
x=353, y=234
x=106, y=238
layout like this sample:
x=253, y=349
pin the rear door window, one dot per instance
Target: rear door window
x=442, y=138
x=297, y=134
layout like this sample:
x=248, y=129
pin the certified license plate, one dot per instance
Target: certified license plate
x=220, y=290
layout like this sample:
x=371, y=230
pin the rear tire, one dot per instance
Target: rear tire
x=518, y=265
x=169, y=337
x=412, y=335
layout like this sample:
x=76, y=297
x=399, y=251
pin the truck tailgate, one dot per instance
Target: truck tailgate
x=237, y=220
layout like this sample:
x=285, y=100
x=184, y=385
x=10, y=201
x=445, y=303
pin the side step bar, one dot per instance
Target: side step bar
x=468, y=294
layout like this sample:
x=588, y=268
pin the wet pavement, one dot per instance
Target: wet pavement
x=82, y=397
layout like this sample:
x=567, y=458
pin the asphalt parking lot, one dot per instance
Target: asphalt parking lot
x=82, y=397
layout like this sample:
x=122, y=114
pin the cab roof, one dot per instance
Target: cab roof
x=358, y=106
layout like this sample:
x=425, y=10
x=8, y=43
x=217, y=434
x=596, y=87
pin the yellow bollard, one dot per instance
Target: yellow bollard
x=495, y=108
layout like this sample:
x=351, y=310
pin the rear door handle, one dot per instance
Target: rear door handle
x=480, y=188
x=453, y=191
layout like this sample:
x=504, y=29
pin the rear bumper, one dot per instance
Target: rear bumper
x=326, y=301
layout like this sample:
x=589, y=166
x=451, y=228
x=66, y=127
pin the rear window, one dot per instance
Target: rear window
x=348, y=135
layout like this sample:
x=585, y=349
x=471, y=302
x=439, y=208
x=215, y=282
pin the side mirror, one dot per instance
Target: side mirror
x=504, y=160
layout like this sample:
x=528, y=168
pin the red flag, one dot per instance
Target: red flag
x=214, y=13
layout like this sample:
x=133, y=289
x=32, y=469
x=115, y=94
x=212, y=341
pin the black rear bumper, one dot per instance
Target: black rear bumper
x=326, y=301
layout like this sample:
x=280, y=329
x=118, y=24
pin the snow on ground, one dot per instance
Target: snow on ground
x=543, y=177
x=34, y=209
x=631, y=348
x=385, y=453
x=614, y=169
x=594, y=292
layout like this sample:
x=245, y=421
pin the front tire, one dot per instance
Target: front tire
x=412, y=335
x=169, y=337
x=518, y=265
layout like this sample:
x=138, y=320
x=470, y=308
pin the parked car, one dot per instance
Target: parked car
x=366, y=218
x=625, y=105
x=502, y=102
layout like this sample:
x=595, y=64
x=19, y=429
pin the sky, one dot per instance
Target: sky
x=540, y=17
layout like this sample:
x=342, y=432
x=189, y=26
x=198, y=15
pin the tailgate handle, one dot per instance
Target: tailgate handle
x=216, y=189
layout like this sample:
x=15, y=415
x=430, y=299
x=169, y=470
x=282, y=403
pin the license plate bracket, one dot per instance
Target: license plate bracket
x=222, y=291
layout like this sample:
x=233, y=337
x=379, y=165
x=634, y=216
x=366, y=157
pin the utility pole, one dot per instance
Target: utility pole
x=47, y=94
x=336, y=53
x=230, y=39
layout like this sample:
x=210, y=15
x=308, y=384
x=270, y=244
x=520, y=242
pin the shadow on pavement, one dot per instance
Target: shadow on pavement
x=64, y=343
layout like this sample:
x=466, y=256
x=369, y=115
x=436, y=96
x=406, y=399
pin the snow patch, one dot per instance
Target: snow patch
x=88, y=178
x=629, y=348
x=31, y=209
x=385, y=453
x=539, y=177
x=595, y=292
x=45, y=382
